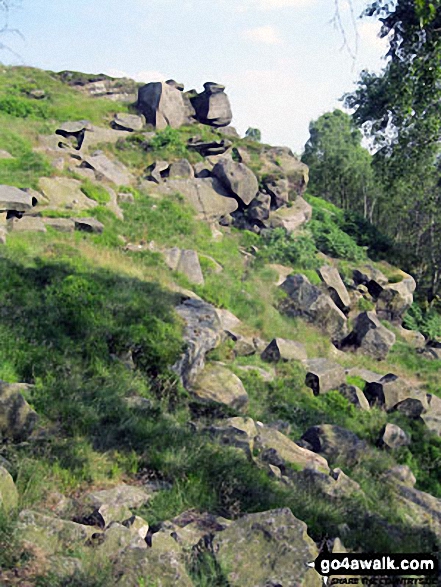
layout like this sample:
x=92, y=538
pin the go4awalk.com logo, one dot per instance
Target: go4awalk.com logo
x=377, y=569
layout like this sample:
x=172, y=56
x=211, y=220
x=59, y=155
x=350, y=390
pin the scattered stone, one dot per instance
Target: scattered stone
x=105, y=168
x=335, y=443
x=334, y=486
x=181, y=169
x=192, y=526
x=291, y=218
x=323, y=375
x=401, y=474
x=282, y=272
x=8, y=491
x=354, y=395
x=27, y=224
x=157, y=171
x=74, y=132
x=238, y=179
x=162, y=105
x=65, y=193
x=60, y=224
x=309, y=302
x=37, y=94
x=218, y=384
x=127, y=496
x=2, y=235
x=125, y=198
x=259, y=208
x=396, y=298
x=278, y=450
x=413, y=338
x=17, y=418
x=336, y=288
x=209, y=148
x=88, y=225
x=267, y=548
x=202, y=333
x=185, y=262
x=280, y=349
x=238, y=432
x=130, y=122
x=263, y=373
x=243, y=345
x=391, y=392
x=12, y=198
x=393, y=437
x=212, y=106
x=364, y=374
x=371, y=336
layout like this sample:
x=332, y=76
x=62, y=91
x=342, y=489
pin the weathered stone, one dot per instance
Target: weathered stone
x=336, y=288
x=281, y=161
x=105, y=168
x=207, y=196
x=74, y=132
x=413, y=338
x=130, y=122
x=291, y=218
x=181, y=169
x=396, y=298
x=323, y=375
x=137, y=526
x=392, y=392
x=88, y=225
x=280, y=349
x=309, y=302
x=65, y=193
x=282, y=272
x=267, y=548
x=17, y=418
x=393, y=437
x=202, y=333
x=209, y=148
x=335, y=486
x=162, y=105
x=229, y=131
x=371, y=336
x=218, y=384
x=28, y=224
x=335, y=443
x=228, y=320
x=51, y=535
x=370, y=277
x=401, y=474
x=364, y=374
x=60, y=224
x=238, y=179
x=212, y=106
x=243, y=345
x=5, y=154
x=354, y=395
x=127, y=496
x=238, y=432
x=278, y=450
x=185, y=262
x=125, y=198
x=12, y=198
x=277, y=187
x=174, y=84
x=8, y=491
x=157, y=171
x=264, y=374
x=259, y=208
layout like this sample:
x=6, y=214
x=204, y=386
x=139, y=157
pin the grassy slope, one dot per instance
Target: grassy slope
x=72, y=303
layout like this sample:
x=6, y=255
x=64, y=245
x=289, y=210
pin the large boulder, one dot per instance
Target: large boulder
x=129, y=122
x=395, y=299
x=323, y=375
x=371, y=336
x=185, y=261
x=12, y=198
x=238, y=179
x=212, y=106
x=65, y=193
x=280, y=349
x=162, y=105
x=336, y=288
x=207, y=196
x=202, y=333
x=218, y=384
x=278, y=450
x=291, y=218
x=259, y=209
x=105, y=168
x=277, y=187
x=393, y=437
x=355, y=396
x=181, y=169
x=335, y=443
x=281, y=162
x=238, y=432
x=17, y=418
x=309, y=302
x=88, y=225
x=393, y=393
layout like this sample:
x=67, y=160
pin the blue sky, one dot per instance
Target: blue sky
x=281, y=60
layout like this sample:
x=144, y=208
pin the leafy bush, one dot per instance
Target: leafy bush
x=296, y=250
x=20, y=107
x=169, y=138
x=366, y=234
x=428, y=322
x=332, y=240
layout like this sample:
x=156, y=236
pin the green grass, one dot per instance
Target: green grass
x=95, y=192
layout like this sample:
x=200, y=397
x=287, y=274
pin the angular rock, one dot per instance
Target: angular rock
x=202, y=333
x=157, y=171
x=12, y=198
x=8, y=491
x=105, y=168
x=181, y=169
x=174, y=84
x=243, y=345
x=259, y=208
x=212, y=106
x=277, y=187
x=60, y=224
x=309, y=302
x=336, y=288
x=125, y=198
x=278, y=450
x=65, y=193
x=127, y=496
x=393, y=437
x=364, y=374
x=88, y=225
x=162, y=105
x=191, y=527
x=74, y=132
x=370, y=277
x=28, y=224
x=238, y=179
x=238, y=432
x=267, y=548
x=209, y=148
x=371, y=336
x=130, y=122
x=323, y=375
x=228, y=320
x=354, y=395
x=280, y=349
x=395, y=299
x=291, y=218
x=401, y=474
x=17, y=418
x=207, y=196
x=413, y=338
x=335, y=443
x=282, y=272
x=218, y=384
x=391, y=392
x=281, y=161
x=185, y=262
x=334, y=486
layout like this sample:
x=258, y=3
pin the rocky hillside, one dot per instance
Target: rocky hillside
x=203, y=377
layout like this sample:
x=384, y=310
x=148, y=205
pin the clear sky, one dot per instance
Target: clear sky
x=281, y=60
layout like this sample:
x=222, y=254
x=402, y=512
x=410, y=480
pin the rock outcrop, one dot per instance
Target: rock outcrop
x=162, y=105
x=212, y=106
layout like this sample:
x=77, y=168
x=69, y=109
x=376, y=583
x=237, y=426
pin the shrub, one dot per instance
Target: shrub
x=428, y=322
x=298, y=250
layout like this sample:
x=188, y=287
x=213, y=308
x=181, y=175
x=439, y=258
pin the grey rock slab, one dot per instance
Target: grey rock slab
x=11, y=198
x=238, y=179
x=113, y=171
x=371, y=336
x=60, y=224
x=335, y=443
x=88, y=225
x=323, y=375
x=181, y=169
x=354, y=395
x=280, y=349
x=212, y=106
x=130, y=122
x=28, y=224
x=128, y=496
x=291, y=218
x=218, y=384
x=336, y=288
x=162, y=105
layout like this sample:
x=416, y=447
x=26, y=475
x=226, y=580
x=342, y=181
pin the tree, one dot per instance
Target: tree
x=340, y=168
x=254, y=134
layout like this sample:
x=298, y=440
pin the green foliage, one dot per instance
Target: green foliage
x=333, y=241
x=253, y=134
x=285, y=248
x=24, y=107
x=95, y=192
x=367, y=235
x=428, y=322
x=169, y=138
